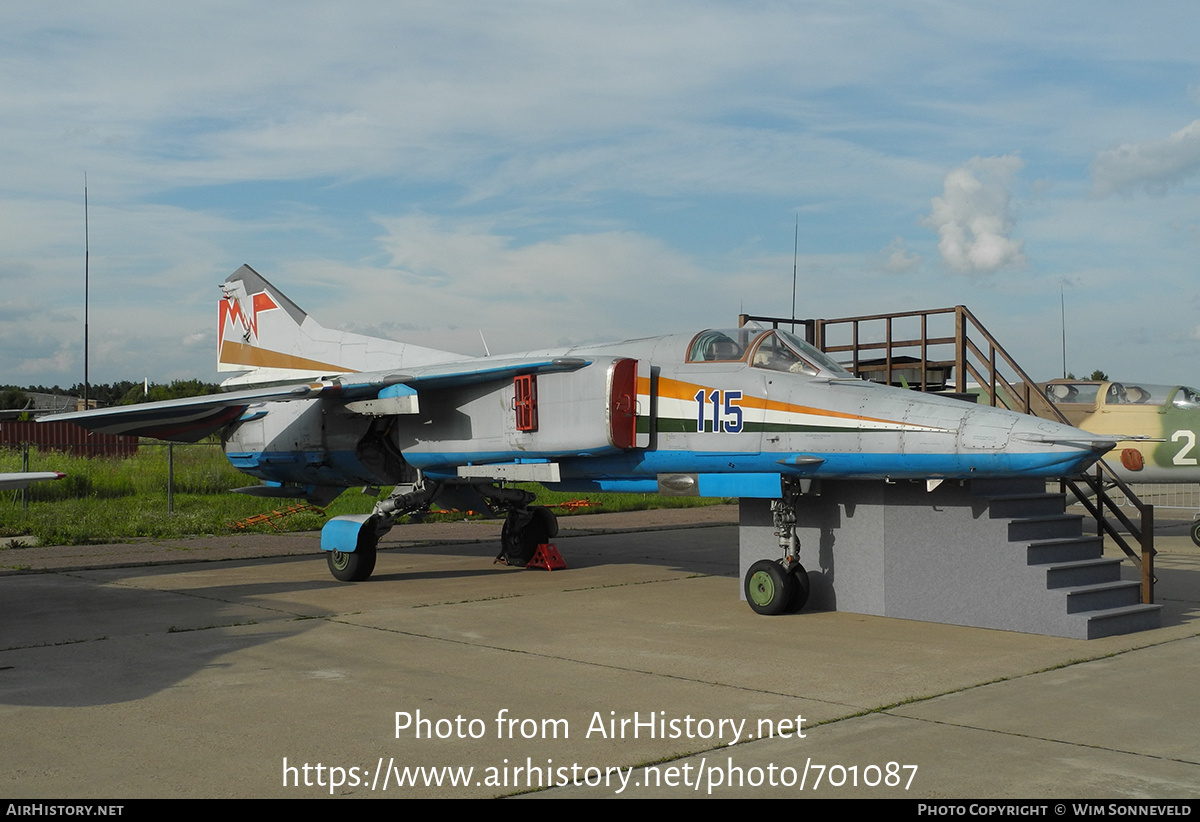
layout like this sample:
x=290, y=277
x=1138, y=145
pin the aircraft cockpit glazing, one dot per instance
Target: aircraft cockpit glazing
x=1071, y=393
x=1124, y=393
x=1188, y=398
x=1148, y=394
x=770, y=348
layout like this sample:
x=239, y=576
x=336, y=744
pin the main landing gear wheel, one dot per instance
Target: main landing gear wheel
x=770, y=588
x=524, y=531
x=1195, y=532
x=801, y=591
x=353, y=566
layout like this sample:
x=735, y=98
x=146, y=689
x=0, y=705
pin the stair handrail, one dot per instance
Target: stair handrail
x=1096, y=500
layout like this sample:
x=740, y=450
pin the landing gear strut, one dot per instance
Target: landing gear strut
x=780, y=586
x=351, y=540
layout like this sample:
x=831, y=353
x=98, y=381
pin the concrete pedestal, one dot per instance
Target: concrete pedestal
x=992, y=554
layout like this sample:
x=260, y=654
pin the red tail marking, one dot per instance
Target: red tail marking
x=230, y=310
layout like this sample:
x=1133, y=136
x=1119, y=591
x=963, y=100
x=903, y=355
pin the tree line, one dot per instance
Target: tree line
x=122, y=392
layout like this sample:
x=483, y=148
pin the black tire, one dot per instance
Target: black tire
x=547, y=522
x=353, y=566
x=1195, y=532
x=802, y=589
x=523, y=531
x=769, y=588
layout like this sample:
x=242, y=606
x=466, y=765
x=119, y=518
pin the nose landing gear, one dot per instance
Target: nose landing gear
x=776, y=587
x=779, y=586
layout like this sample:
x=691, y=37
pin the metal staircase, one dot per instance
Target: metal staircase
x=948, y=349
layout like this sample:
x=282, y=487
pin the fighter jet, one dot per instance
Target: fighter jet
x=1156, y=427
x=744, y=412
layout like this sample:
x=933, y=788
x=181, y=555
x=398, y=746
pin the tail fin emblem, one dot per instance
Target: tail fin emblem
x=231, y=313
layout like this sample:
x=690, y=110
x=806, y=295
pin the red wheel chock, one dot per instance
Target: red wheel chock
x=547, y=558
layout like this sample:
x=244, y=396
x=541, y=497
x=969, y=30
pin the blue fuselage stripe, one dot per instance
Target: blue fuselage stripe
x=638, y=467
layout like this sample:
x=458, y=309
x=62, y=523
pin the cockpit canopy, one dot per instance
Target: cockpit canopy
x=1086, y=392
x=770, y=348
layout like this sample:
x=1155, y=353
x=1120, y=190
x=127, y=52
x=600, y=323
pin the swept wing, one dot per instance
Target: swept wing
x=193, y=418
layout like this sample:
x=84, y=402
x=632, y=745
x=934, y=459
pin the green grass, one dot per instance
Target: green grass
x=116, y=499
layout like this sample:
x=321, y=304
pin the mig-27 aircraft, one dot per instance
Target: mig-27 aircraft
x=746, y=412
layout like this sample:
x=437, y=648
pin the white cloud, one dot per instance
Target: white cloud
x=566, y=289
x=898, y=257
x=1152, y=166
x=972, y=216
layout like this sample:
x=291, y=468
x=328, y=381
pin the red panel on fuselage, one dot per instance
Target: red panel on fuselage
x=622, y=403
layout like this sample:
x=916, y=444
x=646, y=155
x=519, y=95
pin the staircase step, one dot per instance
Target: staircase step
x=1034, y=529
x=1083, y=572
x=1072, y=549
x=1126, y=620
x=1081, y=598
x=1019, y=506
x=999, y=487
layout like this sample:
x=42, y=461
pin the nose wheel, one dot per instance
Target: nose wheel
x=774, y=588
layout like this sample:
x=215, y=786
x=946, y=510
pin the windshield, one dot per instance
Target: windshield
x=783, y=339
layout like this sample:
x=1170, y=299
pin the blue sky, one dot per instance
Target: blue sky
x=553, y=173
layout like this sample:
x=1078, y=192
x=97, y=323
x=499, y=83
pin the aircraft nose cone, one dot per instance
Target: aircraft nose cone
x=1066, y=449
x=1035, y=429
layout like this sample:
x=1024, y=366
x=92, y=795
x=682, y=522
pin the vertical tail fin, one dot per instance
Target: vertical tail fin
x=261, y=331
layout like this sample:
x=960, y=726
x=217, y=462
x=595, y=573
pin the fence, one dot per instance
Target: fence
x=65, y=436
x=1185, y=496
x=105, y=469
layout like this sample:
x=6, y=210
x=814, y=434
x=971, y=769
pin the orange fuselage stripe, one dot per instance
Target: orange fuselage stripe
x=236, y=353
x=686, y=391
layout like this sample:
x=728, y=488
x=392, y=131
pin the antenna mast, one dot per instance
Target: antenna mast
x=795, y=257
x=1062, y=300
x=86, y=256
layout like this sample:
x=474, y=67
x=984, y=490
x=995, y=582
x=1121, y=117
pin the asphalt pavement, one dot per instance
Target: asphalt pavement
x=238, y=667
